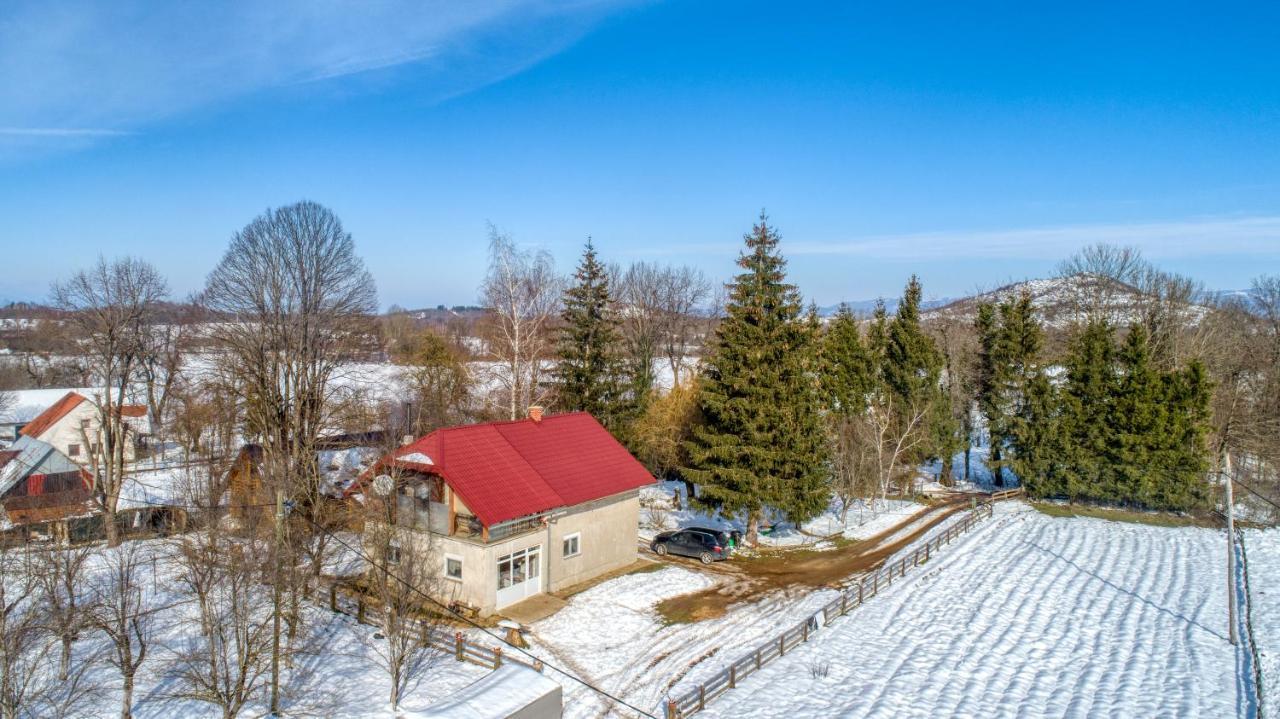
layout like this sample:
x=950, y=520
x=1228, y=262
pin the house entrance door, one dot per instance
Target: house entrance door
x=519, y=575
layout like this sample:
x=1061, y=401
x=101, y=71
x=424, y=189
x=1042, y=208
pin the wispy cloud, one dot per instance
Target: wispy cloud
x=84, y=65
x=1192, y=237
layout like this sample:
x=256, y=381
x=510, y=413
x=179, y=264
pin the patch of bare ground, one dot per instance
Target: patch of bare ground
x=749, y=578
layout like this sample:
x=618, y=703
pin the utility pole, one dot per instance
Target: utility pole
x=1231, y=561
x=275, y=619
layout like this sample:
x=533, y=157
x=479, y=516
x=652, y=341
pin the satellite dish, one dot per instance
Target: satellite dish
x=384, y=485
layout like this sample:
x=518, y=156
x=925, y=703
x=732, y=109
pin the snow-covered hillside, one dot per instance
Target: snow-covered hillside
x=1058, y=300
x=1028, y=616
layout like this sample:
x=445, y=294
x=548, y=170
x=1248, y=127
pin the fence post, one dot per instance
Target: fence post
x=757, y=658
x=782, y=644
x=497, y=657
x=702, y=697
x=903, y=571
x=333, y=597
x=672, y=711
x=360, y=609
x=804, y=630
x=426, y=633
x=860, y=587
x=458, y=645
x=537, y=664
x=733, y=676
x=844, y=602
x=926, y=551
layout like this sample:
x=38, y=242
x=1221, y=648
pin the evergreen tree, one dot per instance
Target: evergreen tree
x=1010, y=338
x=848, y=369
x=1091, y=387
x=590, y=374
x=1036, y=443
x=911, y=371
x=1137, y=411
x=761, y=443
x=1181, y=455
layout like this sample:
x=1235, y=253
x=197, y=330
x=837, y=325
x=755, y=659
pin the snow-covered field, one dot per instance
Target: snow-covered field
x=1029, y=616
x=338, y=675
x=1263, y=550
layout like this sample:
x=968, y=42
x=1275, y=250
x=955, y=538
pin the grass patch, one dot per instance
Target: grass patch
x=1112, y=514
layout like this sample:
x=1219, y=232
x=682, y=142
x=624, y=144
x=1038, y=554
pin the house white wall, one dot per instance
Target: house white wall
x=607, y=531
x=79, y=430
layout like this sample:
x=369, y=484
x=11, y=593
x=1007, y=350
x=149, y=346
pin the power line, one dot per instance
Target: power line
x=483, y=629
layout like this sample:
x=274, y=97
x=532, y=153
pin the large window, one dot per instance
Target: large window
x=519, y=567
x=414, y=499
x=573, y=544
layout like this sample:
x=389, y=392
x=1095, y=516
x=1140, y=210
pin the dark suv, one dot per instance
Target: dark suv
x=707, y=545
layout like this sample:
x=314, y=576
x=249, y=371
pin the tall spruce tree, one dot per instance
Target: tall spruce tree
x=911, y=370
x=1009, y=338
x=848, y=368
x=591, y=373
x=1036, y=448
x=761, y=443
x=1087, y=413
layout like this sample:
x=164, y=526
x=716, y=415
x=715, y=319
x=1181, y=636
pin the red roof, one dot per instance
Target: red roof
x=505, y=470
x=133, y=410
x=50, y=417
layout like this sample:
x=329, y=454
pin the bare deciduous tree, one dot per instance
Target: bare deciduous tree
x=522, y=292
x=68, y=609
x=122, y=615
x=228, y=663
x=403, y=571
x=23, y=648
x=112, y=306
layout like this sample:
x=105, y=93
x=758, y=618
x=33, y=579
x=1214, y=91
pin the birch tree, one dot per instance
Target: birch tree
x=522, y=293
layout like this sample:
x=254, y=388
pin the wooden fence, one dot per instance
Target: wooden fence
x=433, y=636
x=695, y=700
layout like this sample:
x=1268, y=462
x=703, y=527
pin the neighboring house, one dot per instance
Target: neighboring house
x=508, y=510
x=38, y=483
x=72, y=425
x=340, y=458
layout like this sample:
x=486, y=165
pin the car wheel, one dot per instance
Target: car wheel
x=706, y=558
x=661, y=550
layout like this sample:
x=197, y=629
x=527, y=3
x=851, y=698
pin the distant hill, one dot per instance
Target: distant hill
x=866, y=307
x=1058, y=300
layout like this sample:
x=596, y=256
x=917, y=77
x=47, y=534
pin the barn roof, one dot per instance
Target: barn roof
x=50, y=417
x=28, y=456
x=505, y=470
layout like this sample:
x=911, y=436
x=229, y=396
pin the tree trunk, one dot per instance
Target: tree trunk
x=126, y=700
x=753, y=527
x=64, y=665
x=967, y=450
x=948, y=474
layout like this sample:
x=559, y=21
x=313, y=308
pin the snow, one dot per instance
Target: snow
x=498, y=695
x=28, y=403
x=1262, y=546
x=1026, y=616
x=338, y=676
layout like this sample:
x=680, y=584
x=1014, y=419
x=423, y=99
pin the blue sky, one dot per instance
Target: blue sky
x=971, y=143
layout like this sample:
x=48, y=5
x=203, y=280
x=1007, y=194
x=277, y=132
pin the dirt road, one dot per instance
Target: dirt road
x=748, y=578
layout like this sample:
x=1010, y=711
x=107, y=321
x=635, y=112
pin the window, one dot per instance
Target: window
x=73, y=450
x=453, y=567
x=519, y=567
x=573, y=544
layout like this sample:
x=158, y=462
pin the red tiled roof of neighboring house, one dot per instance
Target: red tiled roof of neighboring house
x=50, y=417
x=133, y=410
x=505, y=470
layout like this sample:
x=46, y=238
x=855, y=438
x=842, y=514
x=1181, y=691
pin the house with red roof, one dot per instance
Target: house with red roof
x=514, y=509
x=73, y=425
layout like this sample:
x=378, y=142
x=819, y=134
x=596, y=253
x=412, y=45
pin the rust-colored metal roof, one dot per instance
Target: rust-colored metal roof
x=50, y=417
x=505, y=470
